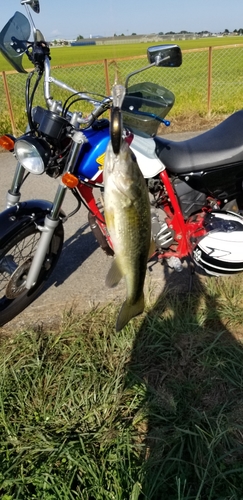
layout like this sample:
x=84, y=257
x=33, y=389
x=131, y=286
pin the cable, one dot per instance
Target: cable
x=65, y=108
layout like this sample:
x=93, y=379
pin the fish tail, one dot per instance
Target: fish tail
x=128, y=312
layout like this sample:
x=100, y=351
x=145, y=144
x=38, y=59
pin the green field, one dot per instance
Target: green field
x=189, y=82
x=75, y=55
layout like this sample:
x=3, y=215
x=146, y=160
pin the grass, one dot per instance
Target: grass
x=153, y=412
x=75, y=55
x=189, y=82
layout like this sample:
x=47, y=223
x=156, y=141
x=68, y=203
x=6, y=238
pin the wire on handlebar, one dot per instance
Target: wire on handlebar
x=29, y=99
x=81, y=98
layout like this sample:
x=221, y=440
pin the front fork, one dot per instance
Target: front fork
x=50, y=223
x=13, y=195
x=52, y=220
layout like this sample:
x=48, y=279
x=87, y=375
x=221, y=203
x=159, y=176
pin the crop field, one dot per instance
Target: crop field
x=85, y=71
x=75, y=55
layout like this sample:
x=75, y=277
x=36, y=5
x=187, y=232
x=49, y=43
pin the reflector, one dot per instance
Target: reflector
x=70, y=180
x=7, y=142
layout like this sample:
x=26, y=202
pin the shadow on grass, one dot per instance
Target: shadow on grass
x=152, y=413
x=189, y=369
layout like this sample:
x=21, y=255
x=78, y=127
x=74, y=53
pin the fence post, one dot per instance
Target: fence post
x=210, y=52
x=10, y=109
x=107, y=81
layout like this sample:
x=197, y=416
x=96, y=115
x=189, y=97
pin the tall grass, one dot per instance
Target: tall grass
x=153, y=412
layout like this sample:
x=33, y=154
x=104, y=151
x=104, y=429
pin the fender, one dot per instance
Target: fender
x=22, y=215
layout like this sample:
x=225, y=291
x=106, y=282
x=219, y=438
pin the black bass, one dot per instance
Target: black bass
x=127, y=215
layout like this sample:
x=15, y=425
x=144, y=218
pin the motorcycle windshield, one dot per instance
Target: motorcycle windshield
x=13, y=40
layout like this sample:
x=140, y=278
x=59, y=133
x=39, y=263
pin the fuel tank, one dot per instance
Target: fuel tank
x=91, y=159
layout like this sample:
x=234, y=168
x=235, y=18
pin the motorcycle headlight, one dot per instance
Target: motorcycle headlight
x=33, y=153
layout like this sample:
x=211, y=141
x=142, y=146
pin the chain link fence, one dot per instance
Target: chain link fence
x=208, y=82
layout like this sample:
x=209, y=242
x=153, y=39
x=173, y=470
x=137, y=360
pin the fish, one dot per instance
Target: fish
x=128, y=220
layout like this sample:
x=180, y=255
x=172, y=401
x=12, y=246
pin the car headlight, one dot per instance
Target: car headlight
x=33, y=153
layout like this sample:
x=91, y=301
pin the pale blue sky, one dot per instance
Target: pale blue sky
x=69, y=18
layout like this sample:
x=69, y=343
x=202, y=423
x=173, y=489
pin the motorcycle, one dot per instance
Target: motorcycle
x=195, y=186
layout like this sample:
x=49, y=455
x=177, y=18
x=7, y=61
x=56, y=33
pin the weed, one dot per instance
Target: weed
x=154, y=412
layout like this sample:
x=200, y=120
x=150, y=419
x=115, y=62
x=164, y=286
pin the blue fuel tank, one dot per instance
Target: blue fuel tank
x=91, y=159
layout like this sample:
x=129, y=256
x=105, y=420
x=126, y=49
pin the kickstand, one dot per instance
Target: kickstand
x=152, y=261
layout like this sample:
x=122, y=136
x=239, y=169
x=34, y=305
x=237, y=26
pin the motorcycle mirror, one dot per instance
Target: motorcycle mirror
x=39, y=36
x=34, y=4
x=165, y=55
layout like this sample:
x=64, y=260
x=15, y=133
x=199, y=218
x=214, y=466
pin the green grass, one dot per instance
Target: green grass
x=189, y=83
x=74, y=55
x=153, y=412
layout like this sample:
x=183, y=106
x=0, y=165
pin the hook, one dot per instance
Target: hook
x=116, y=129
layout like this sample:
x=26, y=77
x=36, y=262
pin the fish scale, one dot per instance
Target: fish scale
x=127, y=214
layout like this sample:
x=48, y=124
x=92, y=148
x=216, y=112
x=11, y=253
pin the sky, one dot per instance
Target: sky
x=69, y=18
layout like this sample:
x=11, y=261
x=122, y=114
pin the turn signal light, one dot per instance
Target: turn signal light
x=70, y=180
x=7, y=142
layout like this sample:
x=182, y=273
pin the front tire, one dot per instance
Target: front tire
x=15, y=260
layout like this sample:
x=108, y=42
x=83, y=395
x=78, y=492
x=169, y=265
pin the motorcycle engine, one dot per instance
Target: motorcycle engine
x=162, y=235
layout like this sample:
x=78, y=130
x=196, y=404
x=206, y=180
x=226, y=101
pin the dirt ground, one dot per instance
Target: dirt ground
x=190, y=123
x=84, y=281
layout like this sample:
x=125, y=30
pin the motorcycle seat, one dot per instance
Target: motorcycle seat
x=220, y=146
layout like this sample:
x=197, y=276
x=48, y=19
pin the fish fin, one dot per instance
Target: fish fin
x=114, y=275
x=128, y=312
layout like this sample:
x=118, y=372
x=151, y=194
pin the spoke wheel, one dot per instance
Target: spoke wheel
x=15, y=261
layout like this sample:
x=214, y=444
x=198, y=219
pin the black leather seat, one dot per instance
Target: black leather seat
x=222, y=145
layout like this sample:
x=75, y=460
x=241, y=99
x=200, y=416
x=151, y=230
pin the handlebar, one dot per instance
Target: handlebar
x=76, y=117
x=39, y=55
x=99, y=106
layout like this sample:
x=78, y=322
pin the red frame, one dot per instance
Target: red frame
x=186, y=234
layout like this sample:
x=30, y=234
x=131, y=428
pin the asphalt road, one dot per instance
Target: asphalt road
x=78, y=281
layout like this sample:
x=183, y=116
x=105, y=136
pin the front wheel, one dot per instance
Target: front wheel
x=15, y=260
